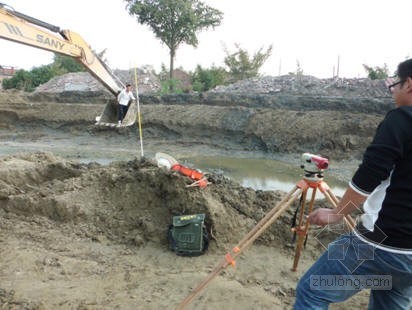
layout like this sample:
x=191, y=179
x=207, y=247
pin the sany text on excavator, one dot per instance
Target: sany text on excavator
x=20, y=28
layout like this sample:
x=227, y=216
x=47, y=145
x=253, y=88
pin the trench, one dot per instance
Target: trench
x=255, y=169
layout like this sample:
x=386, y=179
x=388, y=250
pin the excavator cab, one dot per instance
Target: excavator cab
x=21, y=28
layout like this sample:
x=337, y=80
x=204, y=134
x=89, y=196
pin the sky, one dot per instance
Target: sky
x=317, y=34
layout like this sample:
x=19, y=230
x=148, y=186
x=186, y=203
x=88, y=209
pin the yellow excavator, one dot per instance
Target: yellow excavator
x=21, y=28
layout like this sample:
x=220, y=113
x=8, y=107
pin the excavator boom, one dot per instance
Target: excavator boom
x=21, y=28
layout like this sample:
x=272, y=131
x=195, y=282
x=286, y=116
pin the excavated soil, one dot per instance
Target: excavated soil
x=87, y=236
x=78, y=235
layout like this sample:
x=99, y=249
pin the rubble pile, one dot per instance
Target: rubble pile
x=73, y=81
x=308, y=85
x=85, y=82
x=291, y=85
x=148, y=82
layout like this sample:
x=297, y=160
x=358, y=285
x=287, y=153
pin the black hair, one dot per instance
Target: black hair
x=404, y=69
x=128, y=84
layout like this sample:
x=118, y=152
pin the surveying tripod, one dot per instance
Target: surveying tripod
x=312, y=180
x=303, y=225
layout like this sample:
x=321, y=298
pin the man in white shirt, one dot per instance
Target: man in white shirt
x=123, y=99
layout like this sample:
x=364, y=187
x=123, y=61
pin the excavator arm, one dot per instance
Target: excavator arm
x=21, y=28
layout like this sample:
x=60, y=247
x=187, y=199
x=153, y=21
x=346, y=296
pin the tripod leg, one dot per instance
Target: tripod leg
x=303, y=232
x=269, y=215
x=261, y=228
x=348, y=217
x=349, y=221
x=244, y=243
x=302, y=209
x=332, y=196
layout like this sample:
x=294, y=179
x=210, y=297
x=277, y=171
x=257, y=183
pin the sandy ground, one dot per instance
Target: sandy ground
x=77, y=235
x=86, y=236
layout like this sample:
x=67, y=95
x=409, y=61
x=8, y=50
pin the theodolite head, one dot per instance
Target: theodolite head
x=314, y=165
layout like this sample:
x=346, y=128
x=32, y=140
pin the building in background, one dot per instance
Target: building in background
x=6, y=72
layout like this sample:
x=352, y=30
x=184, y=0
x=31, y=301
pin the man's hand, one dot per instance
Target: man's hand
x=350, y=202
x=324, y=217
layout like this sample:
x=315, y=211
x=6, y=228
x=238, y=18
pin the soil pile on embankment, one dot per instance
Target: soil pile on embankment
x=84, y=82
x=308, y=86
x=128, y=202
x=286, y=114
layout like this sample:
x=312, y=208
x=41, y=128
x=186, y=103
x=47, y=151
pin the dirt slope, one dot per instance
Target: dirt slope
x=86, y=236
x=337, y=134
x=77, y=236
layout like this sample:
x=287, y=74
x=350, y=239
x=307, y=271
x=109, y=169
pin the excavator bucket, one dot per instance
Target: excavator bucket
x=109, y=117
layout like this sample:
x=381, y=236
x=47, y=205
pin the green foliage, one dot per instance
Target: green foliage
x=242, y=66
x=164, y=73
x=29, y=80
x=40, y=75
x=377, y=73
x=175, y=21
x=63, y=64
x=181, y=83
x=20, y=80
x=205, y=79
x=170, y=86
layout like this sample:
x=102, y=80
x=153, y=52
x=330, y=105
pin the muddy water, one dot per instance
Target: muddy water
x=260, y=173
x=249, y=169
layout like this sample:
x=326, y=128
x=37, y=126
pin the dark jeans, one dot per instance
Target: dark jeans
x=350, y=265
x=122, y=111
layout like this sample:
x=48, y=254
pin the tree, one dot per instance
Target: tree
x=242, y=66
x=29, y=80
x=377, y=73
x=20, y=80
x=41, y=75
x=63, y=64
x=205, y=79
x=175, y=21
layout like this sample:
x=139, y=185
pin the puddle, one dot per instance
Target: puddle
x=248, y=170
x=260, y=174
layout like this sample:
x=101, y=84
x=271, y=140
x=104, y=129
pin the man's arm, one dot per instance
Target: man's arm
x=119, y=96
x=351, y=201
x=378, y=161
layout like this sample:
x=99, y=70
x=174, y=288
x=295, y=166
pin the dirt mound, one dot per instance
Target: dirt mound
x=87, y=236
x=128, y=202
x=85, y=82
x=308, y=85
